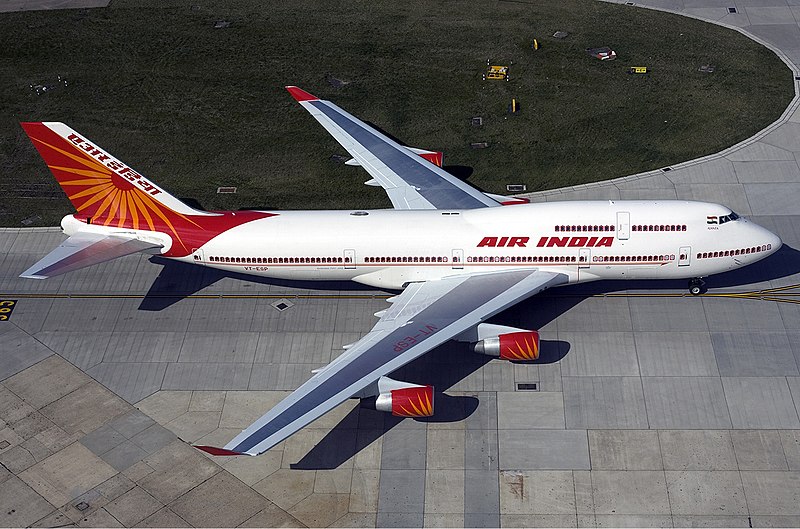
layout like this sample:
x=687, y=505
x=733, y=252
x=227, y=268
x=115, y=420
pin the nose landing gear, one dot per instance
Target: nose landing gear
x=696, y=286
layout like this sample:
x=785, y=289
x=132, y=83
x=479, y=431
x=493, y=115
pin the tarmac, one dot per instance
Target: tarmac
x=651, y=407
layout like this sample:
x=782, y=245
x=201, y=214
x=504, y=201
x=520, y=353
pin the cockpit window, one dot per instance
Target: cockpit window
x=728, y=218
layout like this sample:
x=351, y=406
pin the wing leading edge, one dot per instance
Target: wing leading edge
x=410, y=181
x=422, y=317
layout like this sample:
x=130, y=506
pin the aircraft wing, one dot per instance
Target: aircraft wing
x=85, y=249
x=422, y=317
x=411, y=181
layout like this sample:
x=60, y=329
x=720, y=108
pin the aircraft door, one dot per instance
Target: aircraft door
x=685, y=256
x=623, y=225
x=349, y=259
x=584, y=260
x=197, y=255
x=458, y=259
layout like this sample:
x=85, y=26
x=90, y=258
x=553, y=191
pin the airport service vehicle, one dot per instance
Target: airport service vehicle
x=457, y=255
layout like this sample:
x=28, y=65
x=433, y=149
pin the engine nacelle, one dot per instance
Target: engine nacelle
x=435, y=157
x=508, y=201
x=410, y=401
x=511, y=346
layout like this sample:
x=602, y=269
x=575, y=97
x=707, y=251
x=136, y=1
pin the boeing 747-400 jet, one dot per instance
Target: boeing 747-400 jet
x=457, y=255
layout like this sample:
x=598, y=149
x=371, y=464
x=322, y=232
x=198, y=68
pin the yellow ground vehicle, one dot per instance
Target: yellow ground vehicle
x=496, y=73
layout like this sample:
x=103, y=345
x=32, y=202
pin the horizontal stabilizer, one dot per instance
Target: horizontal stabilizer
x=85, y=249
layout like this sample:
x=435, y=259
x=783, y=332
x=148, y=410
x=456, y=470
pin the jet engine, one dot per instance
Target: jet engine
x=522, y=345
x=412, y=401
x=401, y=399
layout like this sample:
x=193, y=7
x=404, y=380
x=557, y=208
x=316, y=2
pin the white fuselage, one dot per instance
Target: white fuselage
x=587, y=240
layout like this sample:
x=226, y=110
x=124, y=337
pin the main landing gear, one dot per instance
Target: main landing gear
x=696, y=286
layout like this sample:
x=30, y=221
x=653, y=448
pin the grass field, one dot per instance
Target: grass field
x=194, y=108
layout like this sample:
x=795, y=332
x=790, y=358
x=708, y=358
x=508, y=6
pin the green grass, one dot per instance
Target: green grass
x=194, y=108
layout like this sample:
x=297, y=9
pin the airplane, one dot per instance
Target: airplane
x=456, y=255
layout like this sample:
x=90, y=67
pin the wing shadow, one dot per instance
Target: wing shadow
x=363, y=426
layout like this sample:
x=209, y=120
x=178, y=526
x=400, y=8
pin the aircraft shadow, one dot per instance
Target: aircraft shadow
x=179, y=280
x=783, y=263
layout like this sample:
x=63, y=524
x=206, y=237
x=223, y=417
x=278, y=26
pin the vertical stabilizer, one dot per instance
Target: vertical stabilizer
x=101, y=187
x=108, y=193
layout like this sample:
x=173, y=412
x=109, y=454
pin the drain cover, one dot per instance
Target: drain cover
x=282, y=304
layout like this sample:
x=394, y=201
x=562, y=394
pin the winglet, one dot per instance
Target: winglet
x=214, y=451
x=301, y=95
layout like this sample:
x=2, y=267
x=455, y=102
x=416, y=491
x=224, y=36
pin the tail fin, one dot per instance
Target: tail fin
x=101, y=187
x=107, y=192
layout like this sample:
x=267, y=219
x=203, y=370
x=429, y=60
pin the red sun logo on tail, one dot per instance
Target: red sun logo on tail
x=105, y=191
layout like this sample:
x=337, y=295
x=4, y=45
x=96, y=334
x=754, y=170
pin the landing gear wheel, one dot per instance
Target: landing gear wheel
x=696, y=286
